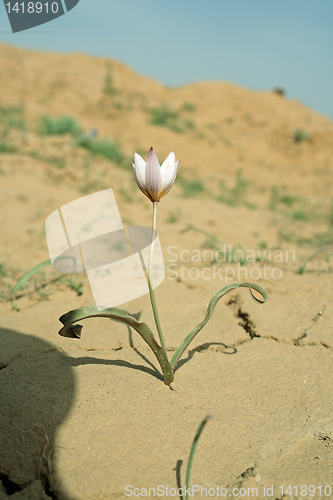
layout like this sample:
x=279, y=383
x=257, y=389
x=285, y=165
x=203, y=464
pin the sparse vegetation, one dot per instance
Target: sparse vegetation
x=214, y=243
x=3, y=269
x=58, y=162
x=59, y=126
x=262, y=245
x=233, y=196
x=330, y=217
x=73, y=285
x=6, y=147
x=109, y=88
x=301, y=135
x=302, y=241
x=105, y=148
x=327, y=248
x=163, y=115
x=126, y=195
x=189, y=107
x=12, y=120
x=300, y=215
x=12, y=117
x=284, y=235
x=92, y=185
x=166, y=117
x=277, y=198
x=173, y=217
x=190, y=187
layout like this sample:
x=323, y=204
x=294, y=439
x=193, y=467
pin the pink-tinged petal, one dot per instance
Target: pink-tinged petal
x=153, y=176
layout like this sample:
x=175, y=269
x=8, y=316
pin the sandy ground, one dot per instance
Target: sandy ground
x=84, y=419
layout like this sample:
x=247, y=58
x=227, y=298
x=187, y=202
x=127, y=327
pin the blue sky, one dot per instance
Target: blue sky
x=258, y=44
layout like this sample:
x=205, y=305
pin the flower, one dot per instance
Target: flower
x=153, y=179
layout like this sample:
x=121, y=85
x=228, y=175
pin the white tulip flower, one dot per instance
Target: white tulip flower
x=153, y=179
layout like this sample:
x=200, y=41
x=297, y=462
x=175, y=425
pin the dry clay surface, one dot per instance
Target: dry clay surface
x=83, y=419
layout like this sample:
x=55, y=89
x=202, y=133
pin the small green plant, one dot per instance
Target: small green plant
x=5, y=147
x=109, y=88
x=300, y=135
x=103, y=147
x=163, y=116
x=301, y=270
x=59, y=126
x=277, y=199
x=188, y=124
x=189, y=107
x=300, y=215
x=59, y=163
x=274, y=198
x=226, y=252
x=173, y=217
x=77, y=287
x=285, y=235
x=3, y=270
x=301, y=241
x=26, y=277
x=233, y=196
x=154, y=182
x=119, y=105
x=287, y=199
x=166, y=117
x=10, y=112
x=262, y=245
x=12, y=117
x=42, y=293
x=191, y=187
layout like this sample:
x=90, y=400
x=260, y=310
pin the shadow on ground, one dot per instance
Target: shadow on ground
x=37, y=390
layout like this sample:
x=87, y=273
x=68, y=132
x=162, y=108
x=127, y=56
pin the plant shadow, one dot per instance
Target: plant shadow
x=87, y=360
x=202, y=348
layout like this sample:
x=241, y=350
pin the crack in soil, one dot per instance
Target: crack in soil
x=245, y=321
x=249, y=326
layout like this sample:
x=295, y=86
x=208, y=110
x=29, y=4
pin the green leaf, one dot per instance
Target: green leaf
x=28, y=275
x=210, y=309
x=322, y=249
x=192, y=452
x=73, y=330
x=35, y=270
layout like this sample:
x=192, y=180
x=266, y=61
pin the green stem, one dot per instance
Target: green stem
x=151, y=290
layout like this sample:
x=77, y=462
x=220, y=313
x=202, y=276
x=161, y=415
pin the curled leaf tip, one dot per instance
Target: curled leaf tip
x=71, y=331
x=257, y=299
